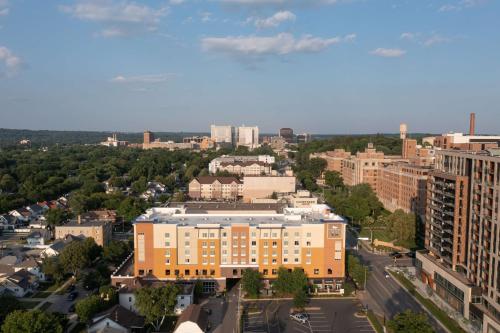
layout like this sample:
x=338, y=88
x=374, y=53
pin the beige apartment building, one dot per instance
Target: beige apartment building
x=99, y=230
x=403, y=186
x=333, y=158
x=215, y=188
x=172, y=244
x=250, y=168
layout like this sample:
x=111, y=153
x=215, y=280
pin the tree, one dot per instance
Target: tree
x=86, y=308
x=78, y=255
x=34, y=321
x=334, y=179
x=9, y=304
x=410, y=322
x=8, y=183
x=52, y=267
x=131, y=207
x=140, y=185
x=251, y=282
x=283, y=283
x=317, y=166
x=402, y=226
x=300, y=299
x=56, y=217
x=156, y=303
x=356, y=271
x=116, y=252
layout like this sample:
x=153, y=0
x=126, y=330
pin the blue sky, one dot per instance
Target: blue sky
x=319, y=66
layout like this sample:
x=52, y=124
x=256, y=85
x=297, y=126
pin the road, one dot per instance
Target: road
x=384, y=294
x=230, y=311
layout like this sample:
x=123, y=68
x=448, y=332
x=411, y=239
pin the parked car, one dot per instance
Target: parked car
x=395, y=255
x=410, y=254
x=386, y=275
x=72, y=295
x=299, y=317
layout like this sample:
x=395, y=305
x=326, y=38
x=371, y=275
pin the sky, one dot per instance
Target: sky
x=317, y=66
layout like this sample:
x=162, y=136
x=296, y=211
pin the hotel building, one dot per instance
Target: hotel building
x=462, y=261
x=178, y=243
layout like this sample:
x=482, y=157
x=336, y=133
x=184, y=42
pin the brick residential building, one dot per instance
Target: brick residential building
x=215, y=188
x=99, y=230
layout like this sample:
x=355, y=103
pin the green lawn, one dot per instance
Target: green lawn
x=439, y=314
x=375, y=322
x=28, y=304
x=382, y=235
x=42, y=294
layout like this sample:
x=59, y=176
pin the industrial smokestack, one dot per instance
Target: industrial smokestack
x=472, y=124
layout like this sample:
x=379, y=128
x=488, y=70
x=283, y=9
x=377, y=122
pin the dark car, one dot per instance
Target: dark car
x=410, y=254
x=72, y=296
x=395, y=255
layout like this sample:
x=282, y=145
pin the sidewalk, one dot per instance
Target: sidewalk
x=46, y=299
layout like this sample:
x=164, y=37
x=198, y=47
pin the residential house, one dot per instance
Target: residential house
x=54, y=249
x=20, y=283
x=192, y=320
x=8, y=222
x=22, y=214
x=117, y=319
x=154, y=190
x=31, y=266
x=37, y=239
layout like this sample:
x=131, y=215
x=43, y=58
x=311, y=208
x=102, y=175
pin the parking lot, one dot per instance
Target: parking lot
x=325, y=316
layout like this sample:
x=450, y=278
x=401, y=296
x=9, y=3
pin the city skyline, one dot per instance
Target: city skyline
x=183, y=65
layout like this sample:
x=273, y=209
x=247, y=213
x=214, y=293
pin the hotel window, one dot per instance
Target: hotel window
x=254, y=243
x=224, y=260
x=316, y=271
x=265, y=243
x=204, y=235
x=243, y=235
x=186, y=234
x=308, y=234
x=308, y=260
x=235, y=235
x=254, y=260
x=275, y=253
x=204, y=244
x=275, y=244
x=285, y=234
x=224, y=252
x=205, y=261
x=274, y=271
x=308, y=243
x=275, y=235
x=265, y=261
x=204, y=252
x=212, y=244
x=167, y=272
x=186, y=243
x=285, y=259
x=167, y=261
x=187, y=260
x=285, y=251
x=308, y=252
x=212, y=260
x=274, y=261
x=285, y=243
x=296, y=251
x=224, y=234
x=167, y=253
x=167, y=243
x=212, y=235
x=254, y=234
x=296, y=259
x=297, y=234
x=296, y=243
x=212, y=252
x=167, y=235
x=243, y=254
x=141, y=247
x=187, y=252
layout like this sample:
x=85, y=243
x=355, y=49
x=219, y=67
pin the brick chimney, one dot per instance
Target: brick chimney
x=472, y=124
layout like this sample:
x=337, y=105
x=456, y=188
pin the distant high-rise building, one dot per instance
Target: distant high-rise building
x=409, y=148
x=148, y=137
x=303, y=138
x=287, y=134
x=224, y=135
x=403, y=131
x=248, y=136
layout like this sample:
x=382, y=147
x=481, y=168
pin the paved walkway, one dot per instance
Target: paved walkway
x=51, y=296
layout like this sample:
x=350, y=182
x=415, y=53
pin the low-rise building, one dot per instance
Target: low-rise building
x=255, y=187
x=100, y=231
x=250, y=168
x=37, y=239
x=117, y=319
x=215, y=188
x=215, y=164
x=172, y=245
x=193, y=320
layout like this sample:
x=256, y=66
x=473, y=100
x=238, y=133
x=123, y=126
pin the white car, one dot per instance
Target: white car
x=299, y=317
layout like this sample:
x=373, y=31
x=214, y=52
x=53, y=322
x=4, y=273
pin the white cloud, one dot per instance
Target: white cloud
x=449, y=8
x=4, y=7
x=206, y=17
x=275, y=20
x=126, y=16
x=11, y=61
x=151, y=78
x=176, y=2
x=388, y=53
x=281, y=44
x=462, y=4
x=408, y=35
x=436, y=39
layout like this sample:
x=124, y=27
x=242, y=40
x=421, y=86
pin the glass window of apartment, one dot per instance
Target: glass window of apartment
x=266, y=244
x=224, y=252
x=205, y=261
x=296, y=251
x=204, y=252
x=308, y=261
x=296, y=243
x=308, y=235
x=285, y=243
x=212, y=252
x=187, y=272
x=254, y=252
x=212, y=260
x=224, y=234
x=212, y=235
x=167, y=235
x=266, y=235
x=275, y=235
x=167, y=243
x=296, y=259
x=204, y=244
x=167, y=261
x=224, y=260
x=212, y=244
x=204, y=235
x=265, y=271
x=265, y=261
x=285, y=259
x=224, y=243
x=285, y=234
x=187, y=252
x=297, y=234
x=187, y=260
x=254, y=260
x=274, y=261
x=316, y=271
x=235, y=235
x=186, y=243
x=275, y=253
x=285, y=251
x=254, y=243
x=167, y=272
x=275, y=244
x=266, y=252
x=308, y=243
x=274, y=271
x=243, y=235
x=308, y=252
x=235, y=254
x=186, y=234
x=167, y=253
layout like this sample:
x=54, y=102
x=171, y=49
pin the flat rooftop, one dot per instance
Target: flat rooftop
x=205, y=207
